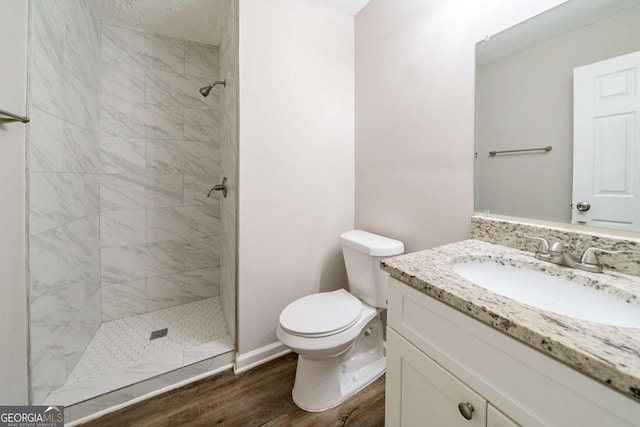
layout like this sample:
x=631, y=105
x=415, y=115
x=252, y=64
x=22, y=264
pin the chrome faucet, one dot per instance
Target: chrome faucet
x=558, y=253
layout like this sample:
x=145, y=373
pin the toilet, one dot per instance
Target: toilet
x=339, y=335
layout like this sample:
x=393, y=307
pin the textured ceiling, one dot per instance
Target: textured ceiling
x=564, y=18
x=197, y=20
x=350, y=7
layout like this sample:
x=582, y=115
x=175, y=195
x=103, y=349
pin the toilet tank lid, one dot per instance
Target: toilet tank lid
x=371, y=244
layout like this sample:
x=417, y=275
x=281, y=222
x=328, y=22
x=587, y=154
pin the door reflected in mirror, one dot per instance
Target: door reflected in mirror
x=525, y=99
x=606, y=158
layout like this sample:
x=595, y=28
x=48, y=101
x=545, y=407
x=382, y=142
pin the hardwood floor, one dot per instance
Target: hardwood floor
x=259, y=397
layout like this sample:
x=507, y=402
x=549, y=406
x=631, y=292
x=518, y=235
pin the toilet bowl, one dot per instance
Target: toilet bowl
x=338, y=335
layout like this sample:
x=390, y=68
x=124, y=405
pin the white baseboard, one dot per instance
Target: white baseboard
x=261, y=355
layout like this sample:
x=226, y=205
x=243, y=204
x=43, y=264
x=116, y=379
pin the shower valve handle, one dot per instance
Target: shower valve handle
x=220, y=187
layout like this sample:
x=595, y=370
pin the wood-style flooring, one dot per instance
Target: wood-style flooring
x=259, y=397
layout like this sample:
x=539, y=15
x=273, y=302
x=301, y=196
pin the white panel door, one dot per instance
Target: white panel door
x=606, y=143
x=419, y=392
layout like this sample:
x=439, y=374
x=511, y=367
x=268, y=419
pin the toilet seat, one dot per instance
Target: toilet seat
x=321, y=315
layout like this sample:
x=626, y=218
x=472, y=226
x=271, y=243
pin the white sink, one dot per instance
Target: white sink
x=551, y=293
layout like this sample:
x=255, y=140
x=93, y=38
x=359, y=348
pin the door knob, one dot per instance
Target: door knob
x=220, y=187
x=583, y=206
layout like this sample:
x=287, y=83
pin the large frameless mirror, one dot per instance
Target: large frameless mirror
x=538, y=127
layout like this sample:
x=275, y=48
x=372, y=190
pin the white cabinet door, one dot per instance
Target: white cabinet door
x=606, y=143
x=421, y=393
x=495, y=418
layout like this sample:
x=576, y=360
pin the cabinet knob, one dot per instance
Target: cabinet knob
x=466, y=409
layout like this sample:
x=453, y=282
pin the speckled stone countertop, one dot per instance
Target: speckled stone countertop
x=609, y=354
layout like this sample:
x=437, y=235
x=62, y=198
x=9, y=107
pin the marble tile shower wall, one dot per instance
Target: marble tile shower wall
x=63, y=185
x=229, y=164
x=159, y=150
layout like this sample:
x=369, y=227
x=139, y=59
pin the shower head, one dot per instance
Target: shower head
x=205, y=90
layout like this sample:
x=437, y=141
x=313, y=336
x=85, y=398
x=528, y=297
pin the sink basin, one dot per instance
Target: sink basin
x=551, y=293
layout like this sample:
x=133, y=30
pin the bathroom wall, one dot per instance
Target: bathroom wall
x=13, y=304
x=539, y=111
x=63, y=185
x=296, y=158
x=415, y=64
x=159, y=152
x=229, y=165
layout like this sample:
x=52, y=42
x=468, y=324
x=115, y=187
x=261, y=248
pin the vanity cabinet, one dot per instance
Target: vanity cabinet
x=439, y=357
x=421, y=393
x=495, y=418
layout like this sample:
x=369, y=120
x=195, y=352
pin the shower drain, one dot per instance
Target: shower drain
x=159, y=333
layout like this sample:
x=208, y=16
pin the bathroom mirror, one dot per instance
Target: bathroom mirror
x=524, y=100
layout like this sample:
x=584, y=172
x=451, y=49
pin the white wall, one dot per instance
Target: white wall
x=296, y=178
x=415, y=63
x=13, y=304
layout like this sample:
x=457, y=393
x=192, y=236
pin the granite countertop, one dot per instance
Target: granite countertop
x=609, y=354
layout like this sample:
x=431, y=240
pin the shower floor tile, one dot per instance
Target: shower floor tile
x=121, y=353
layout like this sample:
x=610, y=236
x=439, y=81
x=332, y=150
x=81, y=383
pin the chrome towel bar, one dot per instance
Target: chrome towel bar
x=10, y=117
x=546, y=149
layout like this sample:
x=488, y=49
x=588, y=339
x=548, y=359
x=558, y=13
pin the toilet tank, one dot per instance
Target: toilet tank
x=362, y=254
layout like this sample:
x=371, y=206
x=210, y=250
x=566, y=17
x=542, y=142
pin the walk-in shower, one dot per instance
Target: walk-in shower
x=131, y=265
x=205, y=90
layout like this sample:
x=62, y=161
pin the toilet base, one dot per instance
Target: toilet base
x=321, y=384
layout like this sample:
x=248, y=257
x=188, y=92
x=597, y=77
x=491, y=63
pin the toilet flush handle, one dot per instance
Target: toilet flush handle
x=466, y=410
x=220, y=187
